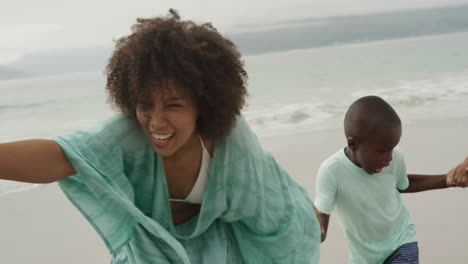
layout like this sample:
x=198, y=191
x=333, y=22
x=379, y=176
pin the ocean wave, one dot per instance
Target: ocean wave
x=280, y=119
x=419, y=93
x=25, y=105
x=7, y=187
x=436, y=97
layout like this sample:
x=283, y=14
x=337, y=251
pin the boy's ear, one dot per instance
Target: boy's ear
x=352, y=144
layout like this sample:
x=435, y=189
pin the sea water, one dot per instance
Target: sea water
x=423, y=78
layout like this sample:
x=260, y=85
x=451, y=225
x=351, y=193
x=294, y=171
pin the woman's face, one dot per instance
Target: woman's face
x=169, y=119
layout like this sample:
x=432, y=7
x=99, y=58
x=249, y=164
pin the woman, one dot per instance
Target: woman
x=178, y=177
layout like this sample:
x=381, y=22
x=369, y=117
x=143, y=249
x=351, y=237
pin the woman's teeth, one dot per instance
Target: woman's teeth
x=162, y=137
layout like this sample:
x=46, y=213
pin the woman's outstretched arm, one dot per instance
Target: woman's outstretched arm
x=34, y=161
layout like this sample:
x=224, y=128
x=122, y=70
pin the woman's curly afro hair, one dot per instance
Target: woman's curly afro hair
x=196, y=57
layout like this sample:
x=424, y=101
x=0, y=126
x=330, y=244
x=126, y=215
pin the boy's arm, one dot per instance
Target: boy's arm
x=456, y=177
x=34, y=161
x=419, y=183
x=326, y=191
x=324, y=220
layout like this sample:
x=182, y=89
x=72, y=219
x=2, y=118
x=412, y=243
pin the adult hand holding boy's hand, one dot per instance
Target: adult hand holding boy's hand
x=458, y=176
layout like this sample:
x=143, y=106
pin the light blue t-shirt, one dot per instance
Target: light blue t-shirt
x=368, y=208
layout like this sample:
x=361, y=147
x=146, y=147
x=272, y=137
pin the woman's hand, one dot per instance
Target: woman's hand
x=458, y=176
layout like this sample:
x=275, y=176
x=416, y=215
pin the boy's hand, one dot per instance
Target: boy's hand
x=458, y=176
x=449, y=180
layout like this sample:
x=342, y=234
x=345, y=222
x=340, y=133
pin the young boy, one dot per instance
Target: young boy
x=361, y=185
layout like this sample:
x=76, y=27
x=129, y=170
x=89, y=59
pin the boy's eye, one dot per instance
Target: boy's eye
x=384, y=151
x=175, y=105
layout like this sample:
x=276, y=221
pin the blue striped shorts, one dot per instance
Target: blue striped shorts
x=406, y=254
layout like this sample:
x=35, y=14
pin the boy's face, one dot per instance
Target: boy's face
x=374, y=152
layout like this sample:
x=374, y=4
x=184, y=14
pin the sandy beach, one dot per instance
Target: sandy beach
x=41, y=226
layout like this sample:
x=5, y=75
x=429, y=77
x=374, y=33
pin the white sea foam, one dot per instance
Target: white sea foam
x=12, y=187
x=289, y=118
x=440, y=96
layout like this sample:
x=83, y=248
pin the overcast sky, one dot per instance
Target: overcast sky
x=28, y=26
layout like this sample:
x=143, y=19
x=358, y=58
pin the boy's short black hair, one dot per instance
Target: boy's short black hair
x=369, y=114
x=194, y=56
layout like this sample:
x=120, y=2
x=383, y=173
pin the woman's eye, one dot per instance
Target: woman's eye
x=143, y=108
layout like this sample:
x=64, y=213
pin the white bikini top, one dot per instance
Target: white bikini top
x=196, y=194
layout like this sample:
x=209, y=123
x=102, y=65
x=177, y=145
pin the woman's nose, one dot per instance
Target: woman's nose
x=157, y=119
